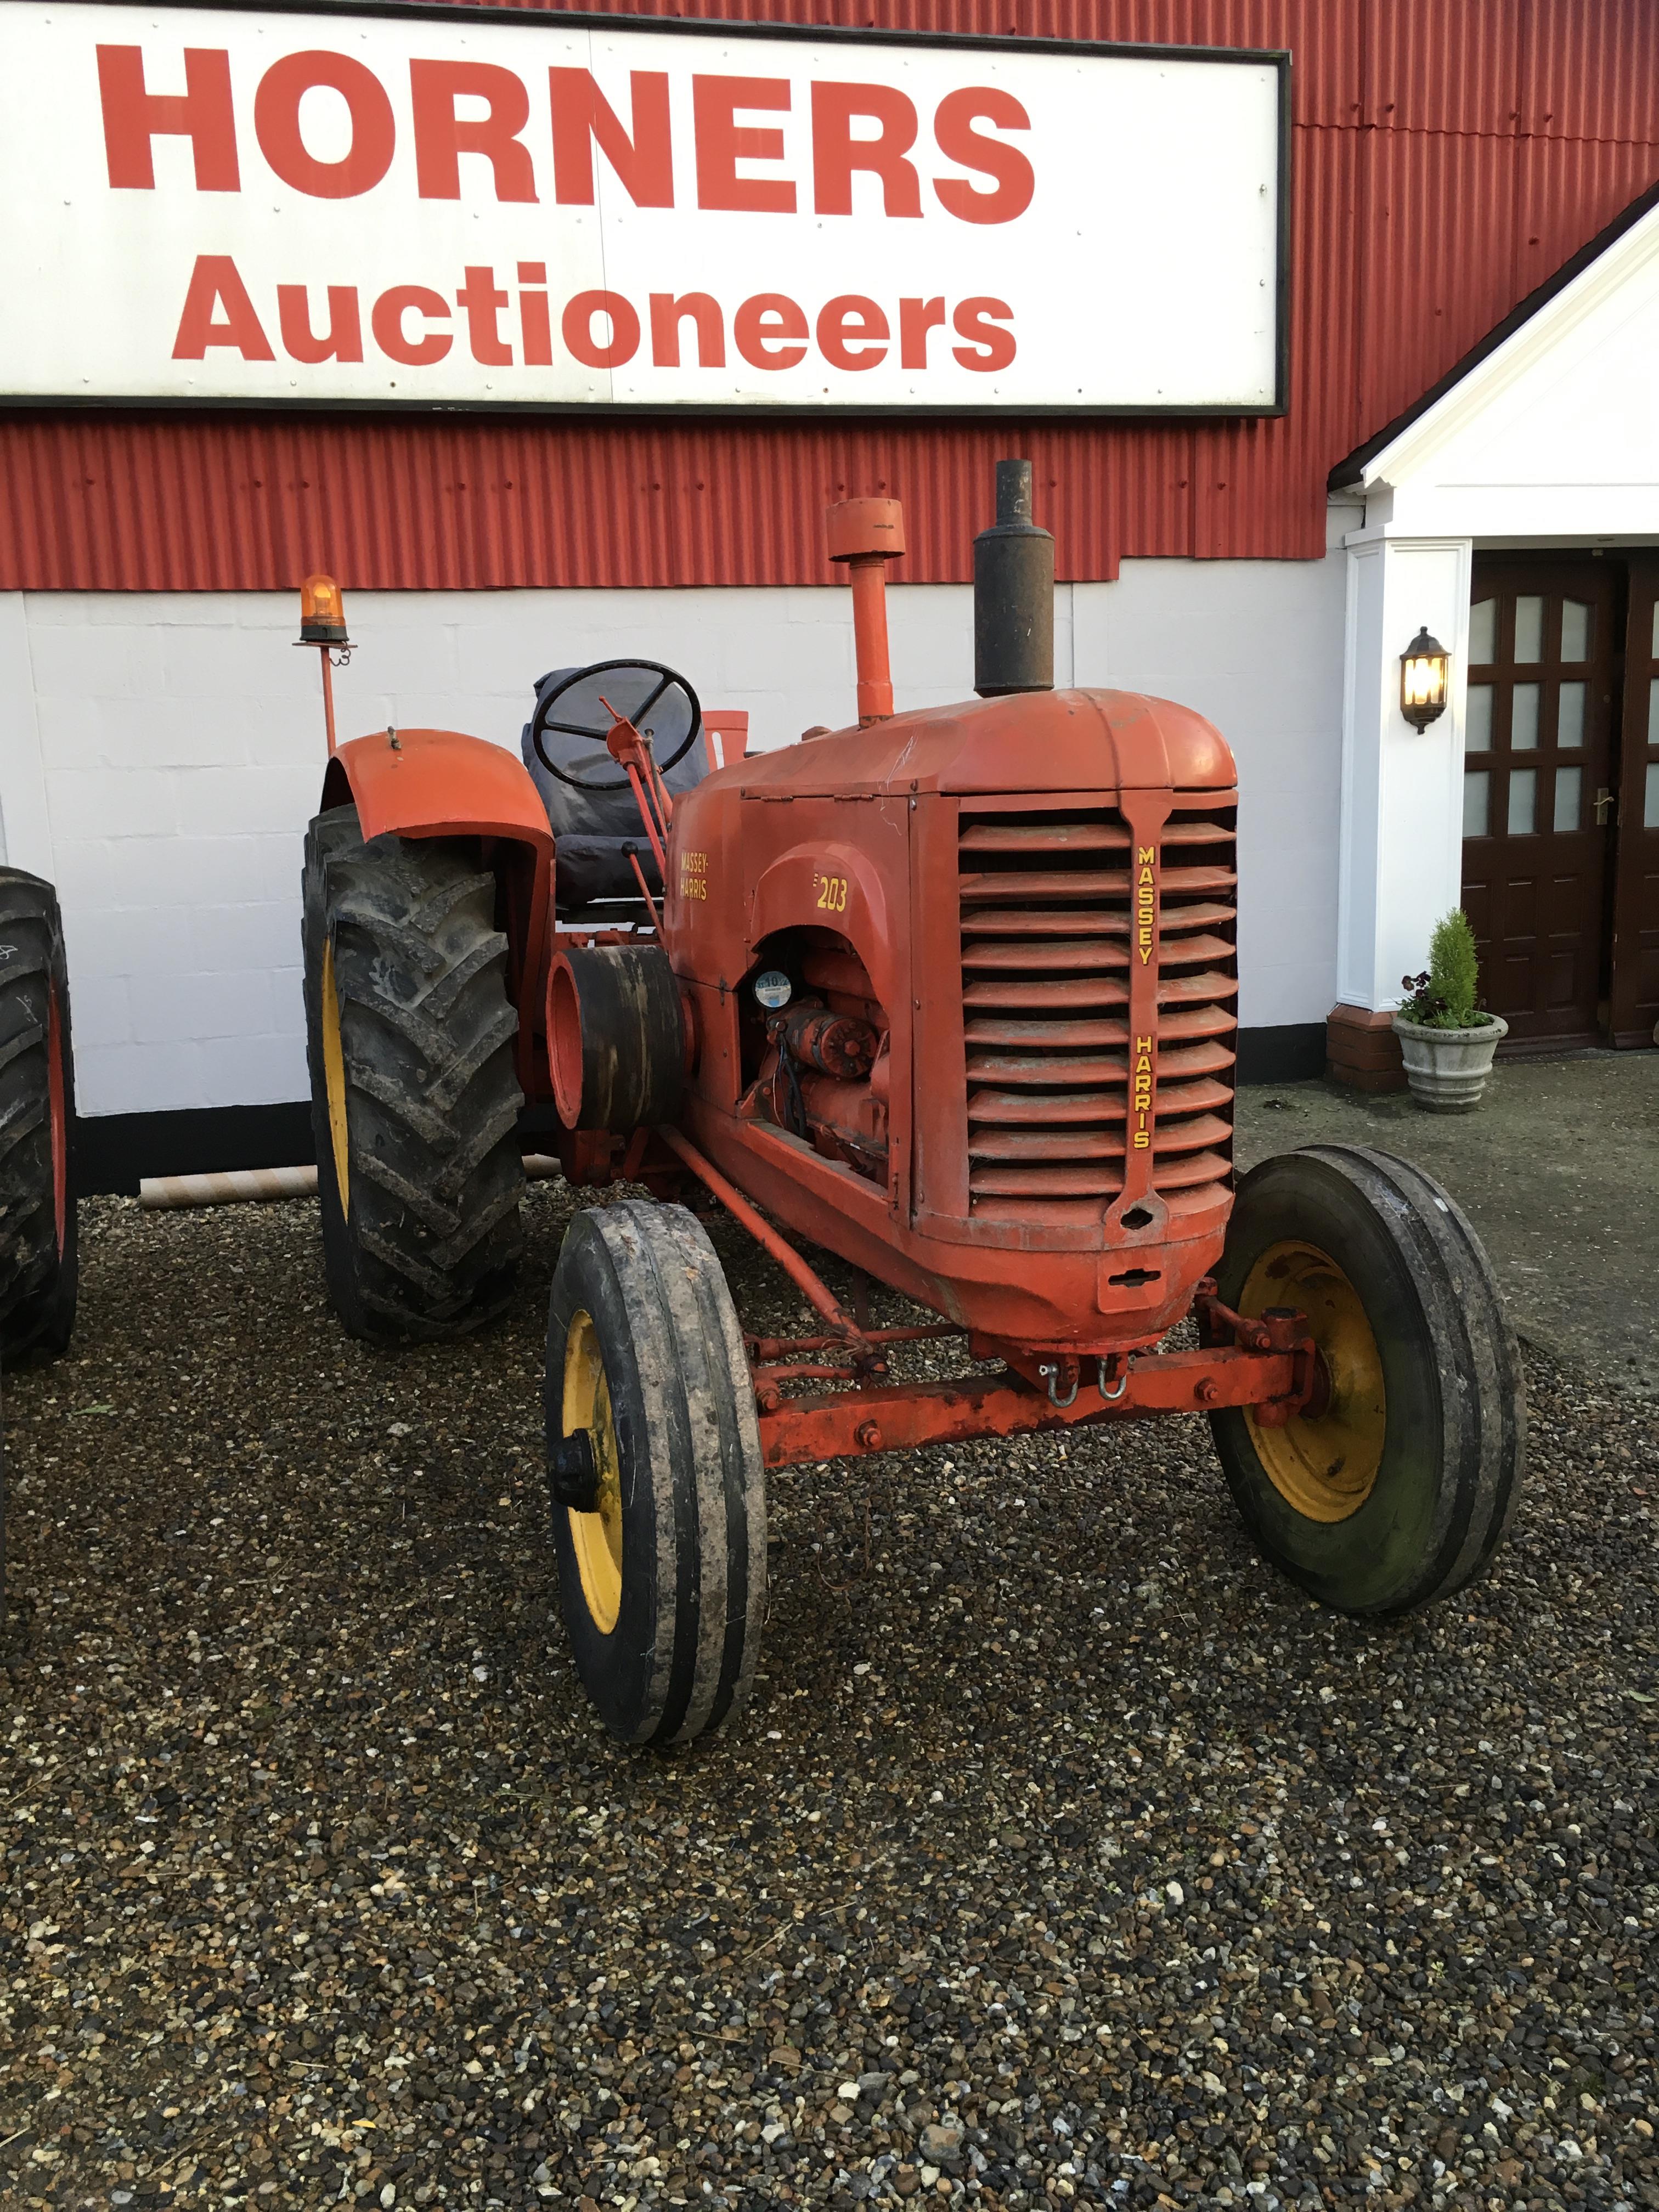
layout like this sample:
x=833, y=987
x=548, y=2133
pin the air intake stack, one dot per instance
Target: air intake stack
x=867, y=534
x=1013, y=593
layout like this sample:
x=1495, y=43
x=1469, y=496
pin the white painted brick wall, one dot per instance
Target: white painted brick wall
x=160, y=754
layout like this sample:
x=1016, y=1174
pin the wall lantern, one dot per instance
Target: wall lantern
x=1423, y=668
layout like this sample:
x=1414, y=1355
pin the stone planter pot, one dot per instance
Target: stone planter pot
x=1447, y=1069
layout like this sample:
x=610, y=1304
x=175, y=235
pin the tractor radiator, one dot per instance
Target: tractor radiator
x=1046, y=945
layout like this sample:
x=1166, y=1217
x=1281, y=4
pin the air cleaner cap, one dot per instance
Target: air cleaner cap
x=863, y=529
x=774, y=989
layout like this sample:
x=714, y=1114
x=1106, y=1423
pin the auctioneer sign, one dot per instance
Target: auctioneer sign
x=457, y=207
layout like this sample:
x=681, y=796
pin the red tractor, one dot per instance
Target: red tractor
x=950, y=995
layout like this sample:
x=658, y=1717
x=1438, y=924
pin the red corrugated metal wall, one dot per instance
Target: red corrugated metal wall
x=1447, y=159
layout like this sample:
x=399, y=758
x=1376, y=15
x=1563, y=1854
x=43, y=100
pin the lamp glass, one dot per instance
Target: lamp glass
x=1423, y=670
x=1425, y=679
x=322, y=612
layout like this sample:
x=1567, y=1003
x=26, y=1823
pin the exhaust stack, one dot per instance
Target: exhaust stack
x=1013, y=593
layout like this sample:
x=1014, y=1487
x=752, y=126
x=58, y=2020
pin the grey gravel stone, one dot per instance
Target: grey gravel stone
x=322, y=1883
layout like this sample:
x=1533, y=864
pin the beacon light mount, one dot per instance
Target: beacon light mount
x=323, y=626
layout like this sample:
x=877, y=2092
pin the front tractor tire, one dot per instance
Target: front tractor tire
x=1399, y=1485
x=410, y=1037
x=38, y=1273
x=659, y=1486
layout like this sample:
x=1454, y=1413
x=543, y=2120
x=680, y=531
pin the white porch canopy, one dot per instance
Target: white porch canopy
x=1547, y=437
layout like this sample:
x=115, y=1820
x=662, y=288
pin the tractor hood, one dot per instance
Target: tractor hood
x=1031, y=741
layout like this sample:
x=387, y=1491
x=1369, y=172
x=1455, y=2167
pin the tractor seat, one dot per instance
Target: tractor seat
x=594, y=828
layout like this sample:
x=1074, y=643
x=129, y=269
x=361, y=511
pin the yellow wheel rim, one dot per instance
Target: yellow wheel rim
x=597, y=1536
x=334, y=1079
x=1325, y=1468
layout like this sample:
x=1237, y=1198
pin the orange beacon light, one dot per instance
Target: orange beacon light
x=322, y=624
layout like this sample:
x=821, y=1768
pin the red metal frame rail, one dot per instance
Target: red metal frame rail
x=838, y=1423
x=1268, y=1363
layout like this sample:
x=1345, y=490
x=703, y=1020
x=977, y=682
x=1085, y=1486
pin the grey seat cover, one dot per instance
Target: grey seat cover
x=594, y=830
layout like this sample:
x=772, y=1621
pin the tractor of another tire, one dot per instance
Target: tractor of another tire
x=39, y=1274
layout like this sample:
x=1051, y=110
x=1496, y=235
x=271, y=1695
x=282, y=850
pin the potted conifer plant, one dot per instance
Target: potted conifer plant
x=1447, y=1039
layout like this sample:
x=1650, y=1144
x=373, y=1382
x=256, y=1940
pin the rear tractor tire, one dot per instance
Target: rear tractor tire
x=659, y=1486
x=414, y=1103
x=38, y=1271
x=1401, y=1489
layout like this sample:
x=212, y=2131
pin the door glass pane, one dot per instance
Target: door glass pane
x=1523, y=801
x=1656, y=629
x=1477, y=722
x=1570, y=725
x=1477, y=787
x=1653, y=707
x=1483, y=633
x=1568, y=787
x=1650, y=798
x=1529, y=629
x=1523, y=720
x=1575, y=629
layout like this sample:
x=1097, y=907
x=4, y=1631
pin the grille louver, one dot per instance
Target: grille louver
x=1046, y=947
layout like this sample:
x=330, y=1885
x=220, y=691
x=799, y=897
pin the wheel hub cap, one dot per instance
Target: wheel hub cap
x=597, y=1536
x=1324, y=1466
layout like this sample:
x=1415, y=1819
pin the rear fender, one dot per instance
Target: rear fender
x=438, y=783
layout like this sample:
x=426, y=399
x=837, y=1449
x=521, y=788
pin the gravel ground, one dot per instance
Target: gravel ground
x=1067, y=1854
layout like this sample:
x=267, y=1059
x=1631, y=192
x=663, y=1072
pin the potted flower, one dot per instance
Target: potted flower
x=1446, y=1039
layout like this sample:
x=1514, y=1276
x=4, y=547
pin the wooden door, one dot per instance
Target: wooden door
x=1538, y=752
x=1635, y=977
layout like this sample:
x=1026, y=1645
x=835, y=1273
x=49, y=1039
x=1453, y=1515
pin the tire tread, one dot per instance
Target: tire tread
x=38, y=1281
x=427, y=1034
x=1476, y=1377
x=684, y=1349
x=1498, y=1404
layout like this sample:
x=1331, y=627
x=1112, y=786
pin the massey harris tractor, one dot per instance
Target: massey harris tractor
x=950, y=995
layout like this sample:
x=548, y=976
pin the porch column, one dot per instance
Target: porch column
x=1400, y=863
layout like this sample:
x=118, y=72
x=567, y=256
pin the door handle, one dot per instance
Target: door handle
x=1604, y=799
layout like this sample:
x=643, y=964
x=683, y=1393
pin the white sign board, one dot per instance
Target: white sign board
x=484, y=210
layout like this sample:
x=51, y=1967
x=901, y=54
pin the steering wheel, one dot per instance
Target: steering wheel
x=671, y=694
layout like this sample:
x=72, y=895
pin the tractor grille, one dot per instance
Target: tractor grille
x=1046, y=946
